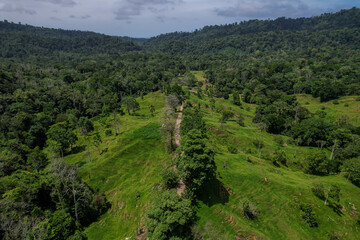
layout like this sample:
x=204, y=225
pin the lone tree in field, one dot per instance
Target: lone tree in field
x=131, y=105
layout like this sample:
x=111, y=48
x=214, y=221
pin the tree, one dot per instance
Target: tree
x=197, y=164
x=192, y=119
x=62, y=135
x=236, y=98
x=37, y=159
x=152, y=110
x=131, y=104
x=97, y=141
x=317, y=163
x=352, y=167
x=86, y=126
x=61, y=226
x=172, y=101
x=226, y=115
x=170, y=216
x=70, y=188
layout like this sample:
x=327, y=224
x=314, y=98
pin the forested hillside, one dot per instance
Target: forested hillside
x=24, y=41
x=328, y=30
x=270, y=132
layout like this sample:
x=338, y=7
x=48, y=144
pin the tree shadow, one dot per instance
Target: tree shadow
x=336, y=208
x=214, y=192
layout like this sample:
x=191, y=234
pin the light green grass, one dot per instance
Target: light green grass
x=334, y=111
x=133, y=161
x=130, y=167
x=278, y=199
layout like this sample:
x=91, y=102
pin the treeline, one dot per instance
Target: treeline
x=266, y=36
x=23, y=41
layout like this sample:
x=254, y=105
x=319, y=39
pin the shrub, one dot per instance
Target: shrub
x=279, y=140
x=169, y=178
x=335, y=102
x=279, y=157
x=318, y=190
x=240, y=120
x=317, y=163
x=308, y=215
x=249, y=210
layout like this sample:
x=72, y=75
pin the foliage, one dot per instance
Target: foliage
x=279, y=157
x=352, y=167
x=169, y=178
x=308, y=215
x=317, y=163
x=196, y=165
x=249, y=210
x=318, y=190
x=170, y=217
x=192, y=119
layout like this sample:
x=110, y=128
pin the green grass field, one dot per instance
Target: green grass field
x=347, y=106
x=127, y=171
x=130, y=165
x=278, y=198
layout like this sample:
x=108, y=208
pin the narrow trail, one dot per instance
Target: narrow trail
x=177, y=127
x=180, y=189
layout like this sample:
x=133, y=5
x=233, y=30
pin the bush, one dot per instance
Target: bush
x=317, y=163
x=249, y=210
x=169, y=178
x=318, y=190
x=279, y=157
x=308, y=215
x=335, y=102
x=279, y=140
x=240, y=120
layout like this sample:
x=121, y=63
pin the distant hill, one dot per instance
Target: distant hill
x=19, y=41
x=338, y=30
x=330, y=29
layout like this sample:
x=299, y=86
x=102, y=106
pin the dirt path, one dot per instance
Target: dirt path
x=180, y=189
x=177, y=127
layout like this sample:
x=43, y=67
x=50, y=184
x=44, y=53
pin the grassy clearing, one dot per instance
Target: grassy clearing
x=126, y=171
x=130, y=164
x=347, y=106
x=278, y=198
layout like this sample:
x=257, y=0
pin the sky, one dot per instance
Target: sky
x=147, y=18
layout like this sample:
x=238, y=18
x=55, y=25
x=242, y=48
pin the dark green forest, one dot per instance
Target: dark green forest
x=54, y=83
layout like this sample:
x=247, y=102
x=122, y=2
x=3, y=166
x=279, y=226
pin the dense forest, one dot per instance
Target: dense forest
x=56, y=84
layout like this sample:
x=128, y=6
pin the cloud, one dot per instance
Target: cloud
x=266, y=9
x=80, y=17
x=66, y=3
x=132, y=8
x=8, y=7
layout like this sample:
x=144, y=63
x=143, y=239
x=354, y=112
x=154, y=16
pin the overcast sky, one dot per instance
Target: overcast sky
x=146, y=18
